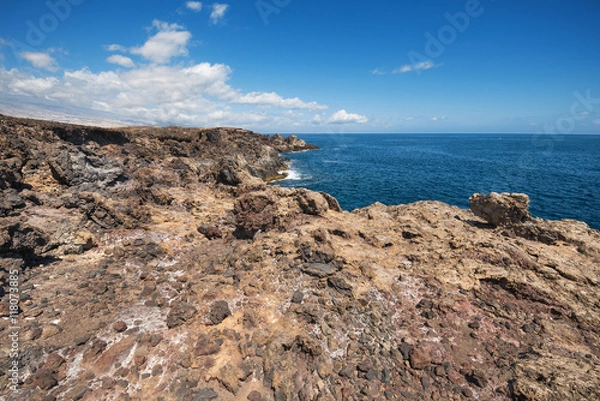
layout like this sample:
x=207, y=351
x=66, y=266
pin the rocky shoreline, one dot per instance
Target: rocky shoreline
x=155, y=263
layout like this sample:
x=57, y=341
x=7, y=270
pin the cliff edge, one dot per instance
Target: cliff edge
x=156, y=264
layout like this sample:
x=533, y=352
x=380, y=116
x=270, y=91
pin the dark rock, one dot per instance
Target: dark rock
x=210, y=232
x=297, y=297
x=365, y=365
x=340, y=285
x=529, y=327
x=255, y=212
x=179, y=314
x=474, y=325
x=405, y=349
x=70, y=167
x=219, y=311
x=425, y=304
x=477, y=378
x=205, y=394
x=319, y=270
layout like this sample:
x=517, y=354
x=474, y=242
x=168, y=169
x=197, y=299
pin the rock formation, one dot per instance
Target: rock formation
x=156, y=264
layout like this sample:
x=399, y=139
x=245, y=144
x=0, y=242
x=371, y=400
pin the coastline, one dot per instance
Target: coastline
x=159, y=258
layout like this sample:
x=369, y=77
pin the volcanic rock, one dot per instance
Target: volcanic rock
x=501, y=209
x=155, y=263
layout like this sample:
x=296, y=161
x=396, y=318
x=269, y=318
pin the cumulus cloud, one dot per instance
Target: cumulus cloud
x=272, y=99
x=218, y=12
x=116, y=48
x=170, y=41
x=421, y=66
x=40, y=60
x=157, y=94
x=343, y=117
x=121, y=60
x=194, y=6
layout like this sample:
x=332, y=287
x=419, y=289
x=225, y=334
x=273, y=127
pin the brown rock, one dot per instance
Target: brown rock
x=229, y=376
x=119, y=326
x=54, y=362
x=255, y=396
x=419, y=358
x=45, y=379
x=501, y=209
x=219, y=311
x=179, y=314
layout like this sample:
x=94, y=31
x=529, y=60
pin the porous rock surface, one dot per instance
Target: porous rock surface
x=155, y=264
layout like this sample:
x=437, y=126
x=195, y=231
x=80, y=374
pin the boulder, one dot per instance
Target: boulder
x=255, y=212
x=312, y=203
x=501, y=209
x=73, y=168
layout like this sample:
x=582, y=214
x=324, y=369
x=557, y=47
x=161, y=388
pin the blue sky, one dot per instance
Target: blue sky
x=306, y=66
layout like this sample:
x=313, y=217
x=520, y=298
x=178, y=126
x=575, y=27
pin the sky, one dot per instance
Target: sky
x=306, y=66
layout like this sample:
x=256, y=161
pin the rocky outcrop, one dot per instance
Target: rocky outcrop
x=501, y=209
x=159, y=265
x=290, y=144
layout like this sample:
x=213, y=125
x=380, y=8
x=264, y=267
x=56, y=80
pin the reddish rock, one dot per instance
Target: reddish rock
x=119, y=326
x=419, y=358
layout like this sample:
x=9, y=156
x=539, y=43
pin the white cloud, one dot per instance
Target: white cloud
x=343, y=117
x=121, y=60
x=596, y=122
x=116, y=48
x=218, y=12
x=274, y=100
x=436, y=119
x=170, y=41
x=410, y=118
x=421, y=66
x=41, y=60
x=378, y=71
x=196, y=95
x=161, y=93
x=194, y=6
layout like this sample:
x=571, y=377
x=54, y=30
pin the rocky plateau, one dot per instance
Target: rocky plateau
x=157, y=264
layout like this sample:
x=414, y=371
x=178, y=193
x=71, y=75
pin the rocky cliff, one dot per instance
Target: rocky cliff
x=156, y=264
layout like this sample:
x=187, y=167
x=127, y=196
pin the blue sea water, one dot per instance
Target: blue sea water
x=561, y=174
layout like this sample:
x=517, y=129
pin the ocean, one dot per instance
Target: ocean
x=561, y=174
